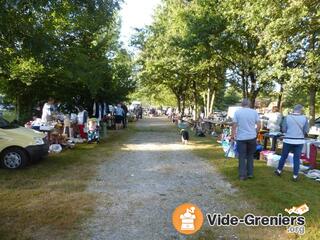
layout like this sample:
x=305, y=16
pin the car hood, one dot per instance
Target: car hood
x=22, y=133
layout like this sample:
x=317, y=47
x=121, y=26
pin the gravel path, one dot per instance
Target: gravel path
x=144, y=182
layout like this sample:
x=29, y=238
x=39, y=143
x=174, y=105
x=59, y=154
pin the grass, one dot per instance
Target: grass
x=266, y=193
x=48, y=200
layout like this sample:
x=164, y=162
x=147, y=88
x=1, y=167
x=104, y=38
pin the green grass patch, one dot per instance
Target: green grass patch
x=9, y=115
x=48, y=200
x=267, y=193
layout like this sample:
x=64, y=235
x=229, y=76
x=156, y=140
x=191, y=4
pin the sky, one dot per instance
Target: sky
x=135, y=14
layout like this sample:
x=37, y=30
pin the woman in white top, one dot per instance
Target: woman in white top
x=274, y=120
x=47, y=111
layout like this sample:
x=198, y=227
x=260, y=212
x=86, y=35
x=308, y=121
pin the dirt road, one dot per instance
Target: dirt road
x=143, y=183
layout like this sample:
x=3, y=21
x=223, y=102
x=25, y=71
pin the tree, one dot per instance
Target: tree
x=244, y=52
x=67, y=50
x=162, y=60
x=291, y=35
x=177, y=53
x=194, y=47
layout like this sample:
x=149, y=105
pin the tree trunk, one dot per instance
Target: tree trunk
x=213, y=96
x=178, y=102
x=313, y=87
x=208, y=103
x=204, y=103
x=253, y=97
x=279, y=102
x=183, y=105
x=195, y=100
x=312, y=104
x=244, y=86
x=253, y=90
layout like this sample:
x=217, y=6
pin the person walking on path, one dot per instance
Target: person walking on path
x=295, y=126
x=119, y=115
x=125, y=110
x=245, y=132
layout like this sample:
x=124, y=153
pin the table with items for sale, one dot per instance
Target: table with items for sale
x=309, y=152
x=48, y=130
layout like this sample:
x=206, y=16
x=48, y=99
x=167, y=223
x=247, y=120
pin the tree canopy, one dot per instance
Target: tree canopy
x=69, y=50
x=202, y=53
x=198, y=48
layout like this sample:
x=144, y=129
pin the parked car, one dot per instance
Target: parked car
x=20, y=146
x=8, y=107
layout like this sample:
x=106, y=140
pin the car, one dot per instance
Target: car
x=4, y=107
x=20, y=146
x=134, y=105
x=9, y=107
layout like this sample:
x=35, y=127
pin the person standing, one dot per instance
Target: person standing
x=119, y=115
x=274, y=123
x=295, y=126
x=82, y=119
x=202, y=113
x=245, y=132
x=125, y=110
x=47, y=110
x=140, y=112
x=274, y=120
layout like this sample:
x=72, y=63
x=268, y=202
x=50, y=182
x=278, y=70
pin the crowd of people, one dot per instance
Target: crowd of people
x=246, y=126
x=67, y=127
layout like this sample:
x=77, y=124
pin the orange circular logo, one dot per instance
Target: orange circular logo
x=187, y=218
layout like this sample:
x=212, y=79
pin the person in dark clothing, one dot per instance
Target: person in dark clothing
x=184, y=136
x=125, y=109
x=140, y=112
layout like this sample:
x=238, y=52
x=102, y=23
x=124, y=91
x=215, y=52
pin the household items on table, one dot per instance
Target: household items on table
x=308, y=156
x=313, y=174
x=65, y=129
x=110, y=121
x=309, y=152
x=273, y=137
